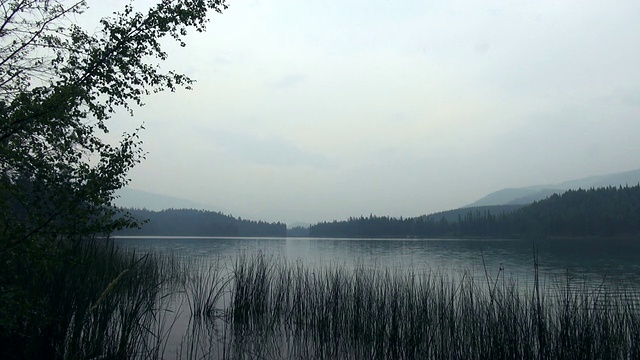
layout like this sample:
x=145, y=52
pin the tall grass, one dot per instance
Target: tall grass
x=84, y=300
x=365, y=313
x=95, y=301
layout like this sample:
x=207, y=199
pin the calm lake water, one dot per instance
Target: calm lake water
x=587, y=264
x=585, y=261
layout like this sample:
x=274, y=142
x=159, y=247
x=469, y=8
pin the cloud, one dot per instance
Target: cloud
x=343, y=114
x=288, y=81
x=482, y=48
x=272, y=151
x=631, y=99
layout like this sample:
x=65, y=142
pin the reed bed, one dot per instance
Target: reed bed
x=96, y=301
x=84, y=300
x=332, y=312
x=89, y=299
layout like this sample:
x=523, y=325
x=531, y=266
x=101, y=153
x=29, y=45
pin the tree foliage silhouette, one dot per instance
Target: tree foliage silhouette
x=59, y=85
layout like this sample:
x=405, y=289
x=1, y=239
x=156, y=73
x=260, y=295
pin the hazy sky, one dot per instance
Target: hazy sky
x=313, y=110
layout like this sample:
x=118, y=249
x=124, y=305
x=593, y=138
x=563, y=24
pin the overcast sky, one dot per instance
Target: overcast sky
x=319, y=110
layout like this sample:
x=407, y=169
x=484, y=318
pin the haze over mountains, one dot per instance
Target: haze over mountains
x=132, y=198
x=529, y=194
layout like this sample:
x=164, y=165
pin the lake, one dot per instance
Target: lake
x=589, y=266
x=596, y=261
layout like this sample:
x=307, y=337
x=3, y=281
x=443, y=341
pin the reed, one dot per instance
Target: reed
x=95, y=301
x=332, y=312
x=87, y=299
x=204, y=284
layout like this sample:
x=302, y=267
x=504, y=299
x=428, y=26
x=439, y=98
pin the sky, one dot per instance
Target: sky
x=317, y=110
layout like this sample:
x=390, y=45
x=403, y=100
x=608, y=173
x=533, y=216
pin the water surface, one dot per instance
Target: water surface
x=591, y=261
x=587, y=264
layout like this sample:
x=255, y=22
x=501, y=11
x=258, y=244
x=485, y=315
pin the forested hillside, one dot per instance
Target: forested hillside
x=528, y=195
x=189, y=222
x=455, y=214
x=606, y=211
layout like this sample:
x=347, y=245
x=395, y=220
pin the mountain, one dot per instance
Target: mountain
x=455, y=214
x=597, y=212
x=630, y=178
x=527, y=195
x=132, y=198
x=517, y=196
x=191, y=222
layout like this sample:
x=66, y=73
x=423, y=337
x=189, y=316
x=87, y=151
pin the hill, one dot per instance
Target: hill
x=139, y=199
x=455, y=214
x=190, y=222
x=527, y=195
x=602, y=212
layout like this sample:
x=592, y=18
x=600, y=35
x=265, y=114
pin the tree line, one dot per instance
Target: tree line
x=606, y=212
x=190, y=222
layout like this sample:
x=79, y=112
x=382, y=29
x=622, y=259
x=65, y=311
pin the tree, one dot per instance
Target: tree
x=59, y=85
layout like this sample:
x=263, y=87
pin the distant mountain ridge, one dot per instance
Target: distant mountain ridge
x=192, y=222
x=529, y=194
x=455, y=214
x=139, y=199
x=603, y=212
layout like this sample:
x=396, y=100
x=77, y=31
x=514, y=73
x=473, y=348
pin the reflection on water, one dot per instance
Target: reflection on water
x=583, y=264
x=591, y=260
